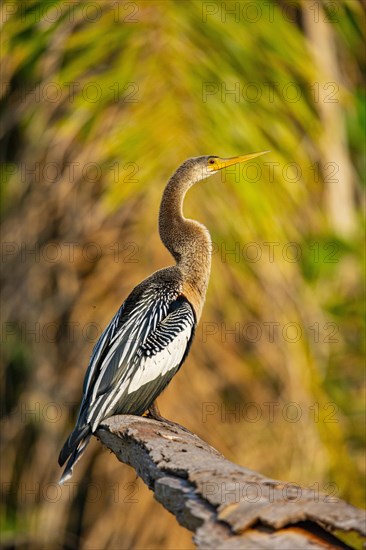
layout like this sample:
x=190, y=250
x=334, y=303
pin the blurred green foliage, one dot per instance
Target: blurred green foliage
x=100, y=102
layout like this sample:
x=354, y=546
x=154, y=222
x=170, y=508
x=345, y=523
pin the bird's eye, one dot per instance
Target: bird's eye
x=211, y=161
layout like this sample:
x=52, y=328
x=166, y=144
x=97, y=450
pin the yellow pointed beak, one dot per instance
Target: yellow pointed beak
x=220, y=163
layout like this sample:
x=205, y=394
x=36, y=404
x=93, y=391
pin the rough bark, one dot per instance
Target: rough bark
x=226, y=505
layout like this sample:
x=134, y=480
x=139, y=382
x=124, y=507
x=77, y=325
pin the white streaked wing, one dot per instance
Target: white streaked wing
x=141, y=321
x=115, y=350
x=100, y=346
x=162, y=352
x=168, y=358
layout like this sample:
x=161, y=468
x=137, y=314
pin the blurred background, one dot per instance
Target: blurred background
x=101, y=101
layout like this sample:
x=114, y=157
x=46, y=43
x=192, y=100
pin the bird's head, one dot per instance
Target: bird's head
x=198, y=168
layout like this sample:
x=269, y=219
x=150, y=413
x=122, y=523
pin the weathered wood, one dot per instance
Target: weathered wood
x=226, y=505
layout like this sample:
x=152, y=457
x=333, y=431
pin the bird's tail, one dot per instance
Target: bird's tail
x=73, y=449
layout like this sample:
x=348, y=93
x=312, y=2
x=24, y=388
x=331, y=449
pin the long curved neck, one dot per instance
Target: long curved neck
x=188, y=241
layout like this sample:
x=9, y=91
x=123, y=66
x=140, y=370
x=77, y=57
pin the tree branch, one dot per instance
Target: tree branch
x=226, y=505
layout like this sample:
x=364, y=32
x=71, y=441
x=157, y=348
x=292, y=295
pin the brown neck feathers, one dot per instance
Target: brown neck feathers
x=188, y=241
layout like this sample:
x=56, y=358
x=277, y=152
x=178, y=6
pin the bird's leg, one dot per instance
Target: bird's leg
x=153, y=412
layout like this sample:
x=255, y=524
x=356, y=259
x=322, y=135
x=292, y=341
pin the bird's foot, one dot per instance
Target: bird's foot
x=154, y=413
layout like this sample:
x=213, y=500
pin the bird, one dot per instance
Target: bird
x=148, y=339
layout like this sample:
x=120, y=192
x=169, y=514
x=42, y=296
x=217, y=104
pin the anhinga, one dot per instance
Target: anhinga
x=148, y=339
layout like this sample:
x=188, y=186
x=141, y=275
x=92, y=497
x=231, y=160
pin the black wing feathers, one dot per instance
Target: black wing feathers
x=133, y=361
